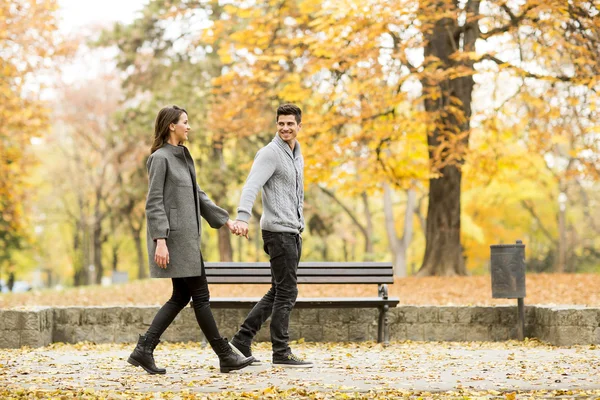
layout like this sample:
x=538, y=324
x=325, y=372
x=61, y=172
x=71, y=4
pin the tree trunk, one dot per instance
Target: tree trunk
x=81, y=246
x=369, y=228
x=448, y=101
x=561, y=260
x=257, y=237
x=220, y=192
x=135, y=228
x=142, y=272
x=443, y=253
x=115, y=257
x=78, y=259
x=225, y=249
x=399, y=246
x=97, y=243
x=325, y=250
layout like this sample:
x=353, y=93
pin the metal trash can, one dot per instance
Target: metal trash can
x=508, y=270
x=508, y=277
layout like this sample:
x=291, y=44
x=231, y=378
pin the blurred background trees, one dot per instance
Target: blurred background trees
x=431, y=130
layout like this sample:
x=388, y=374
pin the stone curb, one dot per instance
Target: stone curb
x=560, y=326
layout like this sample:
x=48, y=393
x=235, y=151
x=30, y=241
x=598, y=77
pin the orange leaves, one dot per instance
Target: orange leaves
x=26, y=41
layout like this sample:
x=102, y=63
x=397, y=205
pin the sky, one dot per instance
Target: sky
x=78, y=18
x=77, y=14
x=75, y=18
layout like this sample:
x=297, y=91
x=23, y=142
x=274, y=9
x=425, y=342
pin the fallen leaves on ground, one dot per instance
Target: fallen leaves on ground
x=428, y=370
x=297, y=394
x=548, y=289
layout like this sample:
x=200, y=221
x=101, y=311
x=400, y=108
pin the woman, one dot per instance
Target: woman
x=174, y=206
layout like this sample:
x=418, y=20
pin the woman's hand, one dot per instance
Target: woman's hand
x=231, y=225
x=161, y=255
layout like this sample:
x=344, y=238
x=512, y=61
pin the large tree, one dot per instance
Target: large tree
x=398, y=75
x=28, y=41
x=100, y=158
x=166, y=61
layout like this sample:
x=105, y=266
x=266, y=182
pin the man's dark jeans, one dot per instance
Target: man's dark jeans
x=284, y=250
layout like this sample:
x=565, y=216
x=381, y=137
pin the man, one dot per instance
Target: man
x=278, y=172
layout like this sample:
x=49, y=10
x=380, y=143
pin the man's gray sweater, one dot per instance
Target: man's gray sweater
x=279, y=174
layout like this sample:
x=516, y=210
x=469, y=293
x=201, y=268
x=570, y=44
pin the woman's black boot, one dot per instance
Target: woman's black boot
x=228, y=360
x=143, y=354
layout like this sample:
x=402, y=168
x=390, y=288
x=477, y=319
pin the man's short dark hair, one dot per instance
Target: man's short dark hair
x=289, y=109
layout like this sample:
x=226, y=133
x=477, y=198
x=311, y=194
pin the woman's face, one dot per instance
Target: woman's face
x=179, y=131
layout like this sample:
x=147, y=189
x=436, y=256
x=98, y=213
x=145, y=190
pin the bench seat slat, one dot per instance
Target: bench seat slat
x=333, y=265
x=301, y=272
x=303, y=279
x=321, y=302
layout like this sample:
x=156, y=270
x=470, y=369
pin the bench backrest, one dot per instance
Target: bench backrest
x=308, y=272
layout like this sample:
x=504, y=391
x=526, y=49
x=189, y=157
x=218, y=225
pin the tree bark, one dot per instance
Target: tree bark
x=115, y=256
x=443, y=252
x=448, y=100
x=78, y=259
x=142, y=271
x=225, y=249
x=97, y=249
x=135, y=229
x=97, y=239
x=325, y=249
x=224, y=236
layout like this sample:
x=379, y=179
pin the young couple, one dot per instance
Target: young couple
x=174, y=206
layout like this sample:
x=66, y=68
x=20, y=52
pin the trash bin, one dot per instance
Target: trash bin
x=508, y=270
x=508, y=277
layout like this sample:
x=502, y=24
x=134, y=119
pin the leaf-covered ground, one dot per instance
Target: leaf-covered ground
x=366, y=371
x=581, y=289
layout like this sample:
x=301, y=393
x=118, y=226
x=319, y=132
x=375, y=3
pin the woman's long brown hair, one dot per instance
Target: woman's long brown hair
x=166, y=116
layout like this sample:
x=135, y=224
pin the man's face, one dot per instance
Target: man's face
x=288, y=128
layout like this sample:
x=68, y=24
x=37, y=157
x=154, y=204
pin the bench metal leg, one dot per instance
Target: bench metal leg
x=383, y=329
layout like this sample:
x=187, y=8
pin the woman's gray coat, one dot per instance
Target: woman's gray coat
x=174, y=206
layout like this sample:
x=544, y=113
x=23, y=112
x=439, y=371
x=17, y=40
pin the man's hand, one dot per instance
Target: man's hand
x=241, y=228
x=161, y=255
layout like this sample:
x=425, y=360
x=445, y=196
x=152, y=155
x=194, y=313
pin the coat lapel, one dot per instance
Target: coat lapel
x=190, y=164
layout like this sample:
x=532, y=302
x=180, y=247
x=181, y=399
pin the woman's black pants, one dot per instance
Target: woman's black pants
x=184, y=289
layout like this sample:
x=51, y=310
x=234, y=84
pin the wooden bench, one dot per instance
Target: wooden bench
x=342, y=273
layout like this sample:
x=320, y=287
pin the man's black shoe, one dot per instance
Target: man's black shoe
x=243, y=350
x=291, y=361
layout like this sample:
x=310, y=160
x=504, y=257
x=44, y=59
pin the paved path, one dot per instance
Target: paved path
x=401, y=368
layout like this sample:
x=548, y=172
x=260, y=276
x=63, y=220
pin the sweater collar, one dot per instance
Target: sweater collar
x=286, y=147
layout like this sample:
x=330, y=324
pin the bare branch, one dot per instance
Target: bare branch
x=529, y=207
x=329, y=193
x=403, y=58
x=524, y=73
x=586, y=207
x=515, y=20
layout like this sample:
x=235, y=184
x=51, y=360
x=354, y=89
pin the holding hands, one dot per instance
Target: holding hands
x=239, y=228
